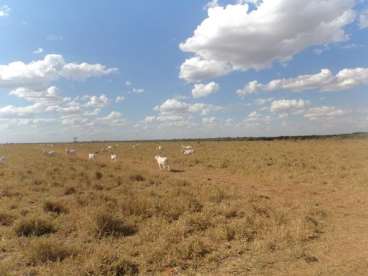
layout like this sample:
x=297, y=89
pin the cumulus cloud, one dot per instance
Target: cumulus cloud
x=209, y=121
x=136, y=91
x=149, y=119
x=196, y=69
x=325, y=80
x=4, y=10
x=289, y=106
x=38, y=51
x=174, y=106
x=211, y=4
x=119, y=99
x=179, y=113
x=203, y=90
x=256, y=118
x=114, y=118
x=97, y=101
x=51, y=68
x=285, y=107
x=236, y=37
x=324, y=112
x=84, y=71
x=48, y=96
x=363, y=19
x=15, y=111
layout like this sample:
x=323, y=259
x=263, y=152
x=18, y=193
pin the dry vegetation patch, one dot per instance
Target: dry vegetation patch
x=106, y=224
x=44, y=251
x=239, y=206
x=34, y=227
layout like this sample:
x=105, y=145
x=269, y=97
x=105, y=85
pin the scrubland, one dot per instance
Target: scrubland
x=232, y=208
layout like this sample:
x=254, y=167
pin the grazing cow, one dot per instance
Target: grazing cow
x=70, y=152
x=163, y=162
x=2, y=159
x=186, y=147
x=114, y=157
x=188, y=151
x=109, y=148
x=92, y=156
x=51, y=153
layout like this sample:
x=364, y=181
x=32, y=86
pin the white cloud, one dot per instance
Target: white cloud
x=84, y=71
x=209, y=121
x=323, y=81
x=49, y=100
x=324, y=112
x=363, y=19
x=211, y=4
x=46, y=97
x=14, y=111
x=196, y=69
x=149, y=119
x=235, y=37
x=97, y=101
x=172, y=106
x=289, y=106
x=137, y=91
x=28, y=122
x=262, y=101
x=255, y=118
x=203, y=90
x=4, y=11
x=204, y=109
x=51, y=68
x=113, y=119
x=38, y=51
x=119, y=99
x=128, y=83
x=178, y=113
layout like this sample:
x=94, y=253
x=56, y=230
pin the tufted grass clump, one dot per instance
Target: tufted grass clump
x=34, y=227
x=107, y=224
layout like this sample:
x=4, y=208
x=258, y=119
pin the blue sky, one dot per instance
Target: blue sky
x=171, y=69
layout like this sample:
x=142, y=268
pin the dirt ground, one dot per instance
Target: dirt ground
x=231, y=208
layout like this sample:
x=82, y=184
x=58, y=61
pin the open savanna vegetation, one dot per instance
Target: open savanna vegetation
x=282, y=207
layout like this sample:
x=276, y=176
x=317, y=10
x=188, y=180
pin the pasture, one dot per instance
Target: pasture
x=231, y=208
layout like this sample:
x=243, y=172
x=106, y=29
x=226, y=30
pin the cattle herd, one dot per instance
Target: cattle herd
x=162, y=161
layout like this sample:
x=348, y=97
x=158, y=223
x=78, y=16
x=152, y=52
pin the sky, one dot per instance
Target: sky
x=127, y=70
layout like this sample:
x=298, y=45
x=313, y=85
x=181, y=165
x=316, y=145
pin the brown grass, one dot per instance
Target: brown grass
x=6, y=219
x=234, y=208
x=106, y=224
x=34, y=227
x=44, y=251
x=54, y=207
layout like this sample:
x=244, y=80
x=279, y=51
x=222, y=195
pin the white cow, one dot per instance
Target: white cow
x=92, y=156
x=186, y=147
x=2, y=159
x=159, y=148
x=163, y=162
x=71, y=152
x=188, y=151
x=51, y=153
x=113, y=157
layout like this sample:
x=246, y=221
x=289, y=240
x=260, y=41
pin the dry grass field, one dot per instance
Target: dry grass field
x=232, y=208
